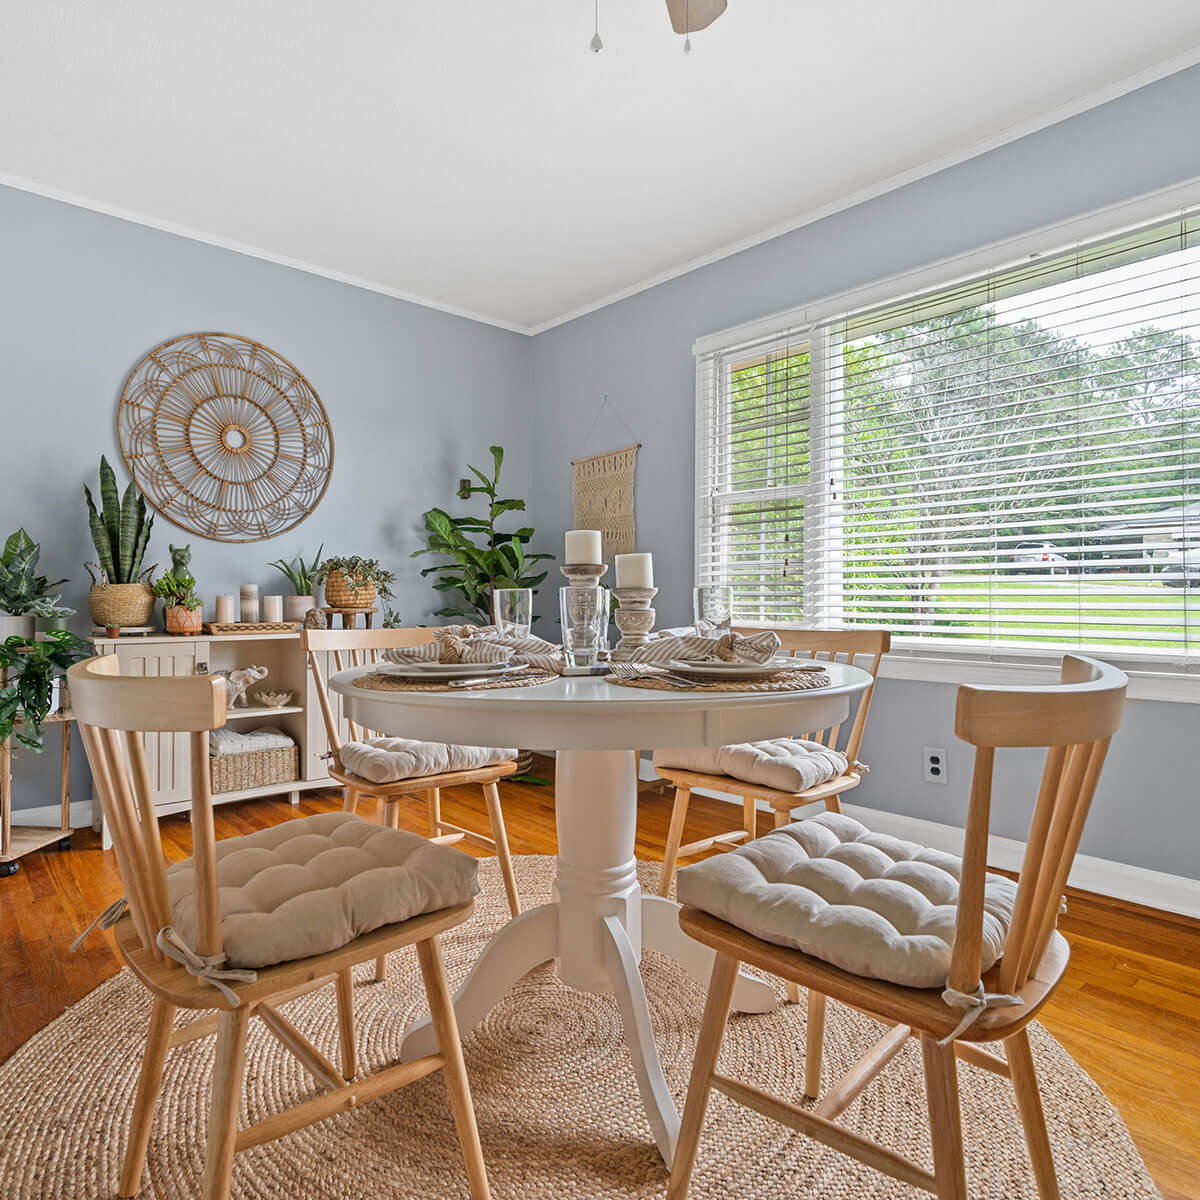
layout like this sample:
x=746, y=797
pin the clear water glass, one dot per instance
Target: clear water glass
x=712, y=608
x=584, y=614
x=512, y=610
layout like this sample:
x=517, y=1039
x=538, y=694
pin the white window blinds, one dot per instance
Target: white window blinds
x=1011, y=462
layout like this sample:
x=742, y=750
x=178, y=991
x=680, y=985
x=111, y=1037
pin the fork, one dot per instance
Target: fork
x=629, y=672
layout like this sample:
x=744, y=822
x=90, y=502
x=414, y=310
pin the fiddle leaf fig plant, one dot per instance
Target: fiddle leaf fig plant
x=31, y=666
x=483, y=557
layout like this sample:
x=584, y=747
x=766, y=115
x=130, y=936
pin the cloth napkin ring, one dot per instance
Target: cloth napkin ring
x=974, y=1004
x=104, y=920
x=209, y=967
x=724, y=648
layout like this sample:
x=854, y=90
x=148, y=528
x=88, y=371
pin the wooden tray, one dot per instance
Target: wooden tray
x=232, y=628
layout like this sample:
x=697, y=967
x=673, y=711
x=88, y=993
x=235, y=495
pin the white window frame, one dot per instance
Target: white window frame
x=1151, y=677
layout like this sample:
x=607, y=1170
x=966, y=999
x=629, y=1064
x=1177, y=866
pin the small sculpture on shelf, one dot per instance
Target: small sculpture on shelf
x=315, y=618
x=238, y=680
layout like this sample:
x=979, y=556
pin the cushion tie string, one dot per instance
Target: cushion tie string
x=975, y=1004
x=209, y=967
x=104, y=920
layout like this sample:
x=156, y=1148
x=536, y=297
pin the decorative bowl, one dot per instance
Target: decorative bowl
x=273, y=699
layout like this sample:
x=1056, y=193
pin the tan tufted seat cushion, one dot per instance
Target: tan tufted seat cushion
x=786, y=764
x=391, y=759
x=865, y=902
x=310, y=886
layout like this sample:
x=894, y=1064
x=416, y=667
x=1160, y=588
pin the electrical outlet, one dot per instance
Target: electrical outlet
x=934, y=761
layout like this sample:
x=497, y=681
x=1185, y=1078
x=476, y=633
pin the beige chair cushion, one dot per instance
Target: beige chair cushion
x=865, y=902
x=310, y=886
x=391, y=759
x=786, y=764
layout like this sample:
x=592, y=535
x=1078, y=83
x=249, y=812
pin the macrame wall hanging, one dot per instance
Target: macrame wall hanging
x=604, y=497
x=225, y=437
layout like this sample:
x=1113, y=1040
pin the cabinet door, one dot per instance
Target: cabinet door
x=166, y=753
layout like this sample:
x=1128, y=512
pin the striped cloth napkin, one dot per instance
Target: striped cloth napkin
x=481, y=644
x=729, y=647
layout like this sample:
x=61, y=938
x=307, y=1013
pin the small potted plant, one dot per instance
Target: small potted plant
x=353, y=582
x=49, y=615
x=34, y=669
x=120, y=533
x=183, y=612
x=300, y=576
x=20, y=585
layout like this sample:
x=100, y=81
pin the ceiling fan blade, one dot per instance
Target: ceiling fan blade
x=687, y=16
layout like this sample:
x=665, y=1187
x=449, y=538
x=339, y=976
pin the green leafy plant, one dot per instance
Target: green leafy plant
x=358, y=572
x=120, y=530
x=31, y=668
x=484, y=558
x=391, y=618
x=299, y=573
x=48, y=607
x=177, y=591
x=21, y=587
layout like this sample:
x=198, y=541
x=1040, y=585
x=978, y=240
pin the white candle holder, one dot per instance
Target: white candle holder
x=583, y=574
x=634, y=618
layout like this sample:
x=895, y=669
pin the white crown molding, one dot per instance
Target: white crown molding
x=223, y=243
x=1011, y=133
x=1062, y=112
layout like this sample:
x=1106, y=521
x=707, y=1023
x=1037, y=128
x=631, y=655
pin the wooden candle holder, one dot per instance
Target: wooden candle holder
x=583, y=574
x=634, y=618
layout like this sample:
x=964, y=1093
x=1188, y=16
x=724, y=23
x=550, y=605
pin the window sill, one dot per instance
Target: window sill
x=1144, y=683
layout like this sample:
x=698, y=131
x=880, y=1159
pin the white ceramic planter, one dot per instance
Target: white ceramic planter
x=296, y=608
x=11, y=626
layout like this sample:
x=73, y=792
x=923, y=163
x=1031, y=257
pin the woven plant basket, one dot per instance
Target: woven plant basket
x=340, y=593
x=258, y=768
x=113, y=605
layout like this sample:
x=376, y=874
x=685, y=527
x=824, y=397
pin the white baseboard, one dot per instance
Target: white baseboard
x=1140, y=885
x=51, y=814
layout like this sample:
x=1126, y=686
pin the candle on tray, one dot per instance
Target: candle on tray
x=272, y=608
x=249, y=605
x=583, y=546
x=634, y=570
x=224, y=610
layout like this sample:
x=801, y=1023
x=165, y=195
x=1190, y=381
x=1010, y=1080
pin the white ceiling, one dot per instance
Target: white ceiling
x=478, y=157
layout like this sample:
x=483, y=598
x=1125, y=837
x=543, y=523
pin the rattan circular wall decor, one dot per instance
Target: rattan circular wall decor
x=225, y=437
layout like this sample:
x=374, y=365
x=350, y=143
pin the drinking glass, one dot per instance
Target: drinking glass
x=584, y=615
x=712, y=608
x=512, y=610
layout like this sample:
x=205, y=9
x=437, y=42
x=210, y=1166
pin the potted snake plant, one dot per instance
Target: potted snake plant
x=121, y=596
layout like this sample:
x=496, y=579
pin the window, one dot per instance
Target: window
x=1012, y=462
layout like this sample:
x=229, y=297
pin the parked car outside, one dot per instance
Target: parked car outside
x=1038, y=556
x=1182, y=569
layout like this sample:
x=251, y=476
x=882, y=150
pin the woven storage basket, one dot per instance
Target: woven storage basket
x=257, y=768
x=340, y=593
x=120, y=604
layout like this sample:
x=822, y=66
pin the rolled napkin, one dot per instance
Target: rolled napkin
x=730, y=647
x=481, y=644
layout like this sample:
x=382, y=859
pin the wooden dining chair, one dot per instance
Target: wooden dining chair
x=362, y=647
x=174, y=932
x=862, y=647
x=1074, y=721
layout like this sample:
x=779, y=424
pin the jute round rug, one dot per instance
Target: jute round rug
x=558, y=1107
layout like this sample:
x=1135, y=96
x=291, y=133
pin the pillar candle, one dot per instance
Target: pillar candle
x=634, y=570
x=272, y=607
x=223, y=610
x=249, y=602
x=583, y=546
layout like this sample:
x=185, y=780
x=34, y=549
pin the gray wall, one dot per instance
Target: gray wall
x=638, y=351
x=412, y=395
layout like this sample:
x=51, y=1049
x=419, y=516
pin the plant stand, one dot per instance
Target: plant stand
x=352, y=614
x=17, y=841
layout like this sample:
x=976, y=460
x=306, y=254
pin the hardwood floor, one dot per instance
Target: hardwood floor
x=1128, y=1010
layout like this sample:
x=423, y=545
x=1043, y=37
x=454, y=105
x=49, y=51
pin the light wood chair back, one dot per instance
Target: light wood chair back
x=856, y=647
x=352, y=648
x=113, y=713
x=1075, y=720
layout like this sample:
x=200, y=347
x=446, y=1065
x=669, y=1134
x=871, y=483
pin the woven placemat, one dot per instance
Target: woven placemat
x=376, y=682
x=785, y=681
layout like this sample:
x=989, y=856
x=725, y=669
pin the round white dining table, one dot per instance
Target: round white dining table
x=598, y=922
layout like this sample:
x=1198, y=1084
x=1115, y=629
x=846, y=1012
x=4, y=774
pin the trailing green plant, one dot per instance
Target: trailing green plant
x=299, y=573
x=120, y=530
x=483, y=557
x=391, y=618
x=32, y=666
x=21, y=587
x=358, y=573
x=177, y=591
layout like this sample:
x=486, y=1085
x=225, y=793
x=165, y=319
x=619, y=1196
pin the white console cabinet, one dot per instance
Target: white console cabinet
x=281, y=654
